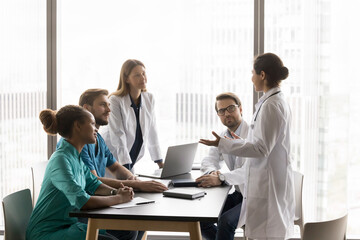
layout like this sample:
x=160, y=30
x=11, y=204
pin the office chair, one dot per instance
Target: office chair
x=17, y=209
x=37, y=174
x=329, y=230
x=299, y=219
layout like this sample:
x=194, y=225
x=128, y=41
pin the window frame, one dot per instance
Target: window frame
x=51, y=33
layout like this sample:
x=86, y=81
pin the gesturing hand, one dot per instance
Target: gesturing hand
x=214, y=143
x=234, y=136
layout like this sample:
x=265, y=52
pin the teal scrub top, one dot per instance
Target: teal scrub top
x=96, y=159
x=67, y=186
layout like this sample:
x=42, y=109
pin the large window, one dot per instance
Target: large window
x=318, y=41
x=22, y=92
x=193, y=50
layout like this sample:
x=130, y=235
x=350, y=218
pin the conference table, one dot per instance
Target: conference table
x=165, y=214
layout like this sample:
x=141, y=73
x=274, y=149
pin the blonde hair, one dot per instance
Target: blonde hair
x=123, y=88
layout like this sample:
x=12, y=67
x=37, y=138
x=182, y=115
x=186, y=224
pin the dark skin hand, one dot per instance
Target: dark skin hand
x=127, y=192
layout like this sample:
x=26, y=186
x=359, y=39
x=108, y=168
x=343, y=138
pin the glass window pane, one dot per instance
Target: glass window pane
x=22, y=92
x=318, y=41
x=193, y=50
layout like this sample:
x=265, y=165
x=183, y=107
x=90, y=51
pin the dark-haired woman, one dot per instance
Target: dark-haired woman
x=268, y=208
x=68, y=184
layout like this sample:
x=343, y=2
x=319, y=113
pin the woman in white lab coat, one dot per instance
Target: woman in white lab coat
x=132, y=123
x=268, y=208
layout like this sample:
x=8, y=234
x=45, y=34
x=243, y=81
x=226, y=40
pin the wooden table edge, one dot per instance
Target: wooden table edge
x=94, y=224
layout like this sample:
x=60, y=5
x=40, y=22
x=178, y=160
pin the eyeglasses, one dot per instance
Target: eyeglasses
x=230, y=109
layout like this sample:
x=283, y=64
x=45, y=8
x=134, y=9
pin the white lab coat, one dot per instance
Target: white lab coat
x=120, y=133
x=214, y=159
x=268, y=209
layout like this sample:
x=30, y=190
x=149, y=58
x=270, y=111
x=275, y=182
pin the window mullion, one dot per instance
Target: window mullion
x=258, y=38
x=51, y=64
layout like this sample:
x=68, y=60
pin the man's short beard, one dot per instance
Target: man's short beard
x=101, y=122
x=232, y=125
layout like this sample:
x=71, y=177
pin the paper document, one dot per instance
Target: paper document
x=137, y=201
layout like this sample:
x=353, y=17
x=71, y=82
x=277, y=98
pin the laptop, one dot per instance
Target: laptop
x=179, y=160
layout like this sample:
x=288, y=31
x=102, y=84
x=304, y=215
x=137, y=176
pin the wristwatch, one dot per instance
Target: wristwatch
x=113, y=192
x=221, y=178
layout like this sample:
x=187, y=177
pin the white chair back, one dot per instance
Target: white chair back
x=299, y=219
x=37, y=173
x=329, y=230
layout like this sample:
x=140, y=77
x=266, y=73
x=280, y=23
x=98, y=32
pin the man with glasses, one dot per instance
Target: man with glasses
x=229, y=110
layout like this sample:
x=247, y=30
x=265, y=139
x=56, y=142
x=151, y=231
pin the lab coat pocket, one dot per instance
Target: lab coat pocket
x=258, y=183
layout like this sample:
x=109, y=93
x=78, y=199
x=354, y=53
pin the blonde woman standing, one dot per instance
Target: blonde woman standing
x=132, y=123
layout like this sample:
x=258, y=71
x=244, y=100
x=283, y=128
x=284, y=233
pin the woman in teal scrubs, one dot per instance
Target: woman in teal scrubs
x=68, y=184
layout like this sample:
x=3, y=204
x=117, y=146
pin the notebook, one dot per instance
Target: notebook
x=184, y=183
x=187, y=193
x=179, y=160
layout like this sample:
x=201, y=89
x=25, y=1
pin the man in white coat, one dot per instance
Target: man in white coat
x=229, y=110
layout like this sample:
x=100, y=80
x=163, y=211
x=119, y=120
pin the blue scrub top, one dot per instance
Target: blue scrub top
x=97, y=160
x=67, y=186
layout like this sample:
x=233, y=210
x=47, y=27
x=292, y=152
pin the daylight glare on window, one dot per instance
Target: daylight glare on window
x=192, y=51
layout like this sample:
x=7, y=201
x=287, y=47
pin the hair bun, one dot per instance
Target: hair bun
x=284, y=73
x=48, y=119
